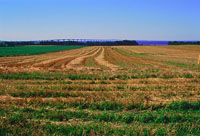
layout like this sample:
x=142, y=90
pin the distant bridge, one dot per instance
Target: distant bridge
x=80, y=40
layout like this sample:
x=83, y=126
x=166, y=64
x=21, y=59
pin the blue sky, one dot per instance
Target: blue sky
x=100, y=19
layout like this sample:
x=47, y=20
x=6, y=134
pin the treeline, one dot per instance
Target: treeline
x=116, y=43
x=13, y=44
x=184, y=43
x=65, y=43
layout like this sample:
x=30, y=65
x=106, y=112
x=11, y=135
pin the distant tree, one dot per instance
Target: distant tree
x=184, y=43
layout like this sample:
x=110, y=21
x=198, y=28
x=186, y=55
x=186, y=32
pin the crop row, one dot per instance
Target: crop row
x=97, y=128
x=104, y=105
x=59, y=76
x=159, y=116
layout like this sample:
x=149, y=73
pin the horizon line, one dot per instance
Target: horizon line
x=98, y=39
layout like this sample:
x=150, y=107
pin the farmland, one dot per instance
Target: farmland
x=109, y=90
x=31, y=50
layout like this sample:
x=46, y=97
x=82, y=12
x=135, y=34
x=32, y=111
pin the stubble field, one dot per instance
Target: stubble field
x=125, y=90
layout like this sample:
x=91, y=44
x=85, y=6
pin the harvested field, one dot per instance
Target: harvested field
x=107, y=58
x=125, y=90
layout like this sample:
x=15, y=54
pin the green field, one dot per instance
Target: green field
x=60, y=118
x=31, y=50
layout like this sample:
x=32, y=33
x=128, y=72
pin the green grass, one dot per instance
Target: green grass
x=31, y=50
x=48, y=76
x=90, y=64
x=159, y=116
x=123, y=76
x=182, y=64
x=121, y=64
x=146, y=54
x=177, y=118
x=177, y=64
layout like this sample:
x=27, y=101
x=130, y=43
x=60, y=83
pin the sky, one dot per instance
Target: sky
x=100, y=19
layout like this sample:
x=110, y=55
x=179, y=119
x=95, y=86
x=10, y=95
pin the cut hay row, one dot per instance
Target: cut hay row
x=76, y=63
x=159, y=91
x=101, y=61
